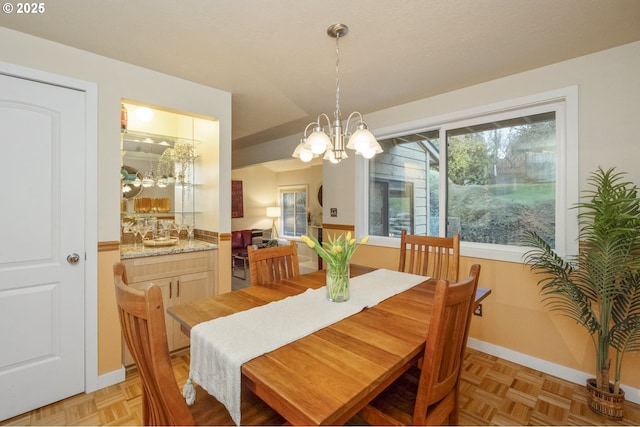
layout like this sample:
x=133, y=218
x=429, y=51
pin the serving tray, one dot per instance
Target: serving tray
x=161, y=242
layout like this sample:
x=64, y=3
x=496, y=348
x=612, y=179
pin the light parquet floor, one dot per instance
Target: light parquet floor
x=493, y=392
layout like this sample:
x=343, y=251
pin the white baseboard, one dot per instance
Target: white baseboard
x=631, y=394
x=111, y=378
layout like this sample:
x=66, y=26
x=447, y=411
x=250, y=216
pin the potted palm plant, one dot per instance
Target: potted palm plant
x=600, y=287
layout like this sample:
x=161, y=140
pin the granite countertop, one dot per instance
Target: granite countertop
x=131, y=251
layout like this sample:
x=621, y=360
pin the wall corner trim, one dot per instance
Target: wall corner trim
x=111, y=378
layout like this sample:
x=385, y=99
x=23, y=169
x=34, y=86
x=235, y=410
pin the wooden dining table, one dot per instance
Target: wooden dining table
x=328, y=376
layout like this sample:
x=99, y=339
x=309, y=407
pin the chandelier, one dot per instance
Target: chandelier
x=331, y=141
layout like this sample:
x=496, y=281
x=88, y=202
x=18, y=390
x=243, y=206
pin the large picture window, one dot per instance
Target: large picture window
x=487, y=177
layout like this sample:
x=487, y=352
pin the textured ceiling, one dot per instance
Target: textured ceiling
x=276, y=59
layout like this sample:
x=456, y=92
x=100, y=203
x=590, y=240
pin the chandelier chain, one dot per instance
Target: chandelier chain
x=337, y=112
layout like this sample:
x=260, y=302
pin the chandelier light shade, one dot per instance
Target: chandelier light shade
x=327, y=138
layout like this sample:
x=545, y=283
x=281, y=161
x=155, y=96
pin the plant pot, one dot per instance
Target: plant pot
x=605, y=403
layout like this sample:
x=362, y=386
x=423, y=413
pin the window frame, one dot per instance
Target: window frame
x=565, y=104
x=291, y=189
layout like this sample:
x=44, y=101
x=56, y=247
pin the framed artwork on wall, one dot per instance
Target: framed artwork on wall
x=237, y=208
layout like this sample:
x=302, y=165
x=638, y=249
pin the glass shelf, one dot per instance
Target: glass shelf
x=170, y=184
x=151, y=142
x=156, y=157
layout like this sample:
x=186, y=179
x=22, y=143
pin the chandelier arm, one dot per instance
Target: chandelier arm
x=316, y=124
x=320, y=116
x=346, y=127
x=304, y=134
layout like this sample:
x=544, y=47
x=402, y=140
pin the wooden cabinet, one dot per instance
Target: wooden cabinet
x=182, y=277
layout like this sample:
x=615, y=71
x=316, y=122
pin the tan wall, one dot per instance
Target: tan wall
x=224, y=263
x=109, y=337
x=260, y=190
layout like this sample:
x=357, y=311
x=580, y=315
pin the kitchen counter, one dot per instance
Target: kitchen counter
x=131, y=251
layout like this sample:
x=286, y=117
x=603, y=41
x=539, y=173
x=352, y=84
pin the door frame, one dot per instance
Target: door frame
x=91, y=206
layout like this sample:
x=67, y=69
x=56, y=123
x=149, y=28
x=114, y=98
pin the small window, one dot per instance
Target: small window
x=293, y=201
x=400, y=177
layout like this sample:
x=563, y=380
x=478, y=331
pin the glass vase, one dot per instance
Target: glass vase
x=338, y=283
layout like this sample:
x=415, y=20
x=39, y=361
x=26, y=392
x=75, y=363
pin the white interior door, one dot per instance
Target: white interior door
x=42, y=225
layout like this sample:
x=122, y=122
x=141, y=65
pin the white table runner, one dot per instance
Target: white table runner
x=220, y=346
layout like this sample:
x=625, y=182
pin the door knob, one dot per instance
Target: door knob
x=73, y=258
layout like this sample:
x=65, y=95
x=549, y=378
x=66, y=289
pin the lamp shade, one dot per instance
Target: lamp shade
x=303, y=152
x=318, y=141
x=364, y=143
x=273, y=212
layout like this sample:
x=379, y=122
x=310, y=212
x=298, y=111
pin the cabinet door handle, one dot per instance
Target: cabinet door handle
x=178, y=293
x=170, y=290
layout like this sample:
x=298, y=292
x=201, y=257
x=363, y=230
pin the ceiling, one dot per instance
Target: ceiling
x=276, y=59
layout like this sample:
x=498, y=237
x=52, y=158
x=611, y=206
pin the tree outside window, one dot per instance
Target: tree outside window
x=502, y=179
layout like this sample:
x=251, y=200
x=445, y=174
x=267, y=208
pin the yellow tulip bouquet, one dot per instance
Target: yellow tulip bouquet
x=337, y=253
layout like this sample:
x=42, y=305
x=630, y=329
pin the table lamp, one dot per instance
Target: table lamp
x=273, y=213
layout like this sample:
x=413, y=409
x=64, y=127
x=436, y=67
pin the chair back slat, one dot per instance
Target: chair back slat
x=436, y=257
x=272, y=264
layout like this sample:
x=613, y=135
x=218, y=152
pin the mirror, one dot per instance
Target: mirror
x=133, y=191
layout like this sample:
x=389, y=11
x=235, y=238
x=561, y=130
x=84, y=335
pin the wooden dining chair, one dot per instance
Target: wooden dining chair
x=143, y=326
x=268, y=265
x=436, y=257
x=429, y=395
